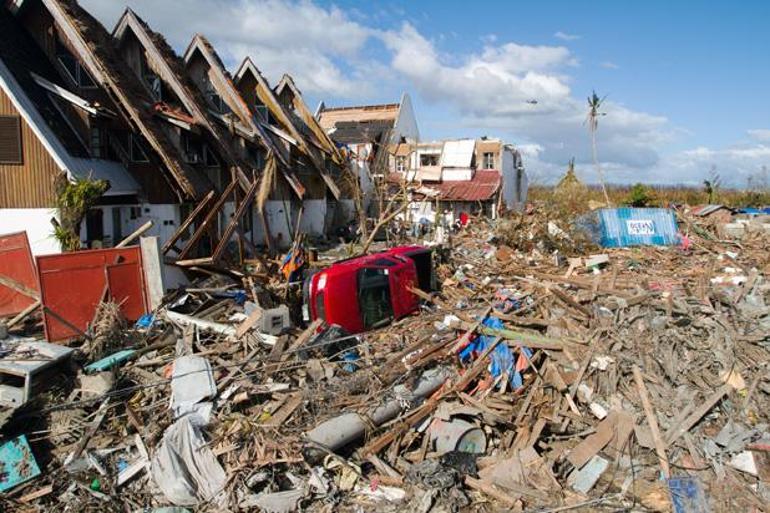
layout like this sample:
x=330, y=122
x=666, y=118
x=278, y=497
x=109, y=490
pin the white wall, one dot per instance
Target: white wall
x=36, y=222
x=456, y=175
x=280, y=219
x=313, y=219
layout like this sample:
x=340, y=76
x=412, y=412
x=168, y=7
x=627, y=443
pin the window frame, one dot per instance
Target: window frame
x=400, y=164
x=491, y=163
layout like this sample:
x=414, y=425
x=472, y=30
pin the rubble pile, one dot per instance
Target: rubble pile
x=533, y=380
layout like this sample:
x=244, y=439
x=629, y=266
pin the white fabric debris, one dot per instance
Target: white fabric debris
x=191, y=382
x=185, y=468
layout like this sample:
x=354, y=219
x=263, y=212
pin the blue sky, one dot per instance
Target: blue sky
x=685, y=81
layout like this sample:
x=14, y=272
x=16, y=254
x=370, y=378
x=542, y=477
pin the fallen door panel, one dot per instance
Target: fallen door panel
x=16, y=263
x=73, y=284
x=127, y=288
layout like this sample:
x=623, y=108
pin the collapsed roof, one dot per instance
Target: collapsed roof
x=96, y=52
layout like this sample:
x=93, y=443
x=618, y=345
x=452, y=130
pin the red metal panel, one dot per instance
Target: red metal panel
x=127, y=288
x=72, y=284
x=16, y=263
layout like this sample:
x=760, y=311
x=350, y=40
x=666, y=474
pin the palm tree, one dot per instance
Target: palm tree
x=592, y=118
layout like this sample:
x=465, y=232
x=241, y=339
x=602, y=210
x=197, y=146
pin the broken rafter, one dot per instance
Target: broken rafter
x=187, y=222
x=239, y=213
x=207, y=219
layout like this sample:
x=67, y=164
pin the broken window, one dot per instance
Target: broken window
x=153, y=81
x=76, y=72
x=401, y=164
x=488, y=160
x=428, y=160
x=215, y=100
x=10, y=140
x=193, y=149
x=374, y=297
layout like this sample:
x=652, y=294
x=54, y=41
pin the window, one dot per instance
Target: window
x=76, y=72
x=401, y=164
x=10, y=140
x=374, y=297
x=193, y=149
x=117, y=226
x=137, y=150
x=96, y=142
x=262, y=112
x=428, y=160
x=209, y=157
x=215, y=100
x=489, y=160
x=153, y=81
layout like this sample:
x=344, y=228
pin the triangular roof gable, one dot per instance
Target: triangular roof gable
x=287, y=84
x=166, y=61
x=227, y=90
x=222, y=81
x=93, y=46
x=268, y=98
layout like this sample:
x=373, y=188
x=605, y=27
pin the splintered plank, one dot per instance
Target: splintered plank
x=660, y=446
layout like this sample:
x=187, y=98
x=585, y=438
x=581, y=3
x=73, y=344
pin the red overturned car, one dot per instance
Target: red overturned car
x=369, y=291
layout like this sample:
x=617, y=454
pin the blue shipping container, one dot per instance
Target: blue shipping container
x=622, y=227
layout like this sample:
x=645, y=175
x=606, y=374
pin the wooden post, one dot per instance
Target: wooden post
x=660, y=447
x=137, y=233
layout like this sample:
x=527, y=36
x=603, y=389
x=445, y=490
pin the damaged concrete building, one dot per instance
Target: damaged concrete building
x=363, y=131
x=476, y=176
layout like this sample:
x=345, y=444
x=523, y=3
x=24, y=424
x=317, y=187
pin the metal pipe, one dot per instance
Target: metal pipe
x=344, y=429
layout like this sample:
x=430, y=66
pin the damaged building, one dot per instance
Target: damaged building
x=476, y=176
x=224, y=165
x=179, y=141
x=363, y=131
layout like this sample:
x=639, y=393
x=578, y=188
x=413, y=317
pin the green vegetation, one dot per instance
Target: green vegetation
x=638, y=196
x=73, y=200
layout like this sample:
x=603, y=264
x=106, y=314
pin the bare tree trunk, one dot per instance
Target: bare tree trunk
x=599, y=168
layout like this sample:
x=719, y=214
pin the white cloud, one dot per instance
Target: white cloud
x=566, y=37
x=498, y=81
x=341, y=55
x=317, y=45
x=759, y=134
x=492, y=90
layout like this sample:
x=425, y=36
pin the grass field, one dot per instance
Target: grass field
x=576, y=198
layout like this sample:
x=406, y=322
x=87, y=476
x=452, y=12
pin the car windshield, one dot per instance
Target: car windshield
x=374, y=297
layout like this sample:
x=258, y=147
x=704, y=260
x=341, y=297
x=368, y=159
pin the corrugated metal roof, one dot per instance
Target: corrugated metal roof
x=482, y=187
x=458, y=153
x=704, y=210
x=622, y=227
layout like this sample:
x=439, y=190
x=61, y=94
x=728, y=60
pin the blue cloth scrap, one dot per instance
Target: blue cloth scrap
x=687, y=495
x=145, y=321
x=239, y=295
x=503, y=359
